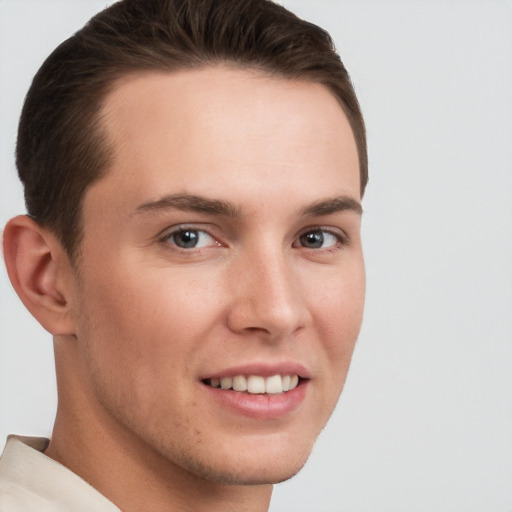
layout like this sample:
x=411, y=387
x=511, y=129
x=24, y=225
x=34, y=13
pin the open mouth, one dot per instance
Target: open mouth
x=256, y=384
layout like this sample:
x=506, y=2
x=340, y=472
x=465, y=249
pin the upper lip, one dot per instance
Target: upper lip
x=262, y=369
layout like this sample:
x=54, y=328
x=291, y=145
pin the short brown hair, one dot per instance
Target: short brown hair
x=61, y=148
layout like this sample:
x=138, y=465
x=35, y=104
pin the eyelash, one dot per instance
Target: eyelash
x=341, y=239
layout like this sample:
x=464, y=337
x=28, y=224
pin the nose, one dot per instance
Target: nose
x=267, y=296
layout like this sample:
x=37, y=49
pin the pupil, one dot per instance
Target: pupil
x=313, y=239
x=186, y=239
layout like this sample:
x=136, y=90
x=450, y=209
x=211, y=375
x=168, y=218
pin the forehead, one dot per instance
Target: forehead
x=200, y=128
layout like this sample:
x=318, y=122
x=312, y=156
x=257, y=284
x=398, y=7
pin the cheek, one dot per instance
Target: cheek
x=117, y=321
x=339, y=302
x=339, y=313
x=153, y=317
x=131, y=343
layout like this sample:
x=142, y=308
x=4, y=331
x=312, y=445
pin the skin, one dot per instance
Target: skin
x=141, y=322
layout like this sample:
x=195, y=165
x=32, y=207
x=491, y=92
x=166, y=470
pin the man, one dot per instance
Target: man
x=193, y=172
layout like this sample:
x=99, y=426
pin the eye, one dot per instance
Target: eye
x=190, y=239
x=319, y=239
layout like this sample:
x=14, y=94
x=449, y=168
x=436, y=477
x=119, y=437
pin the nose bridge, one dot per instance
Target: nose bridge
x=268, y=295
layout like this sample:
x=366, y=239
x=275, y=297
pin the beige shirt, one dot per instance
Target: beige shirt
x=30, y=481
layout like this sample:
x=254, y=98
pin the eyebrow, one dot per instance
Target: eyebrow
x=220, y=207
x=333, y=205
x=191, y=203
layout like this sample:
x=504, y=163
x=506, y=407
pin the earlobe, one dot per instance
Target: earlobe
x=38, y=269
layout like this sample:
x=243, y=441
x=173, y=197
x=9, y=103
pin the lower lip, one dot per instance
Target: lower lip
x=262, y=407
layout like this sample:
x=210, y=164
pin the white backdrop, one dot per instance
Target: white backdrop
x=425, y=421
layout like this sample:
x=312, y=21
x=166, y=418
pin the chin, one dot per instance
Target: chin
x=269, y=474
x=250, y=466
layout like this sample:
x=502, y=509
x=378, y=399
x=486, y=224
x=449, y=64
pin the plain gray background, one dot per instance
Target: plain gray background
x=425, y=421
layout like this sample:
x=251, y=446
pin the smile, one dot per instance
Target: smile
x=256, y=384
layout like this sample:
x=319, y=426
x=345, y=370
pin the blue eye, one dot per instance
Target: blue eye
x=190, y=239
x=318, y=239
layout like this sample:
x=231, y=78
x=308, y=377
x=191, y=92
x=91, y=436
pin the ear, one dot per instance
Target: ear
x=40, y=272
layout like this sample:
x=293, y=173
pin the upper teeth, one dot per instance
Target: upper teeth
x=257, y=384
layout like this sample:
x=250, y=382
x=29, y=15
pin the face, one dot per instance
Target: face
x=221, y=283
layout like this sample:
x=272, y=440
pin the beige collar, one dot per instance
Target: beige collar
x=31, y=481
